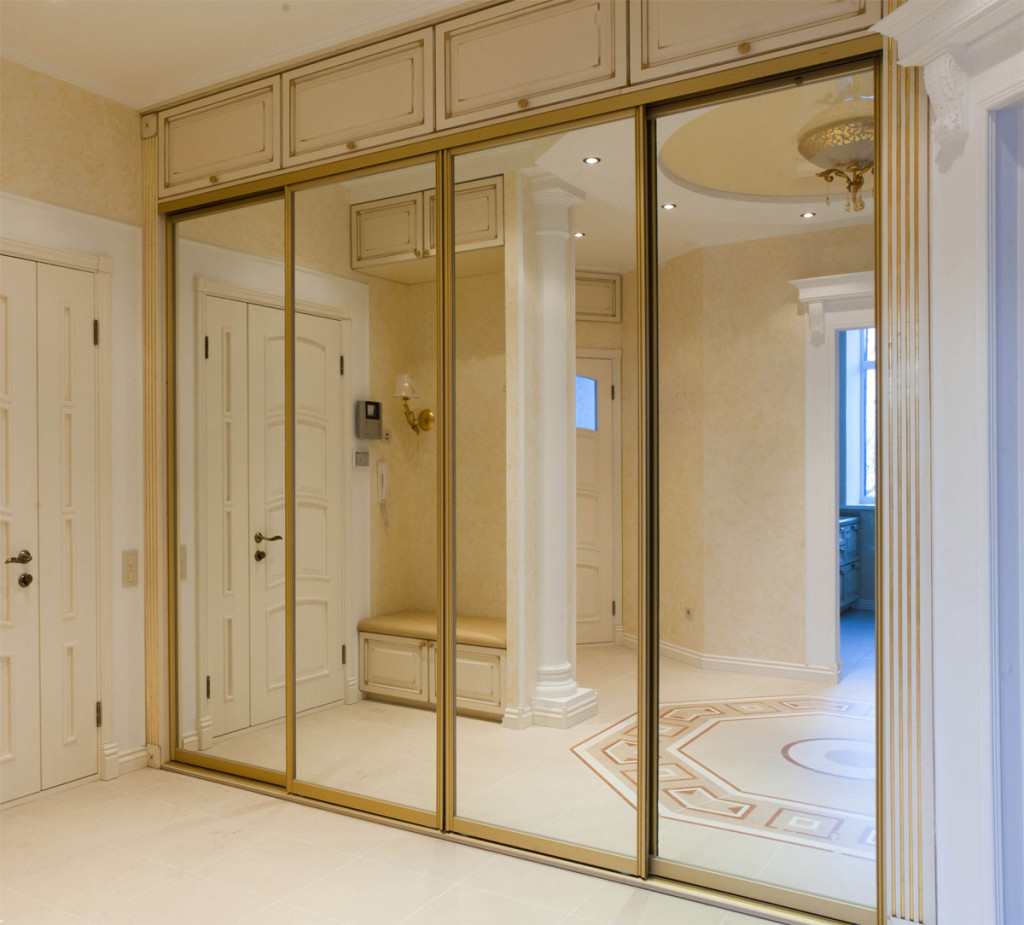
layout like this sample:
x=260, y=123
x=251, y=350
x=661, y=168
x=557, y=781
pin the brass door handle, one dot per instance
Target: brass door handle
x=259, y=537
x=22, y=558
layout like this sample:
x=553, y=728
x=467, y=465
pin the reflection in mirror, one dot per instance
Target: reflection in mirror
x=546, y=483
x=229, y=375
x=366, y=487
x=767, y=686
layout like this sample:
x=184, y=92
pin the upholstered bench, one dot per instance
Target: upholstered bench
x=398, y=658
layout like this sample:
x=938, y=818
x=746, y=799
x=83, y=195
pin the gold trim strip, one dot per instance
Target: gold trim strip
x=290, y=535
x=549, y=847
x=370, y=808
x=237, y=770
x=445, y=652
x=908, y=888
x=620, y=102
x=812, y=907
x=151, y=387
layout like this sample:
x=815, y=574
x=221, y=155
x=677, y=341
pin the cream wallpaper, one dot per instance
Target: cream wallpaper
x=64, y=145
x=732, y=441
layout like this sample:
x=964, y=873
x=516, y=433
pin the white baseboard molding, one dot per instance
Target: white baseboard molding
x=109, y=761
x=864, y=603
x=790, y=670
x=517, y=717
x=154, y=756
x=134, y=759
x=190, y=741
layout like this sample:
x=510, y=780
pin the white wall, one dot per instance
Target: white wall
x=53, y=226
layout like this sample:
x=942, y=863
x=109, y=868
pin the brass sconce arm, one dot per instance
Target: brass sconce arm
x=422, y=421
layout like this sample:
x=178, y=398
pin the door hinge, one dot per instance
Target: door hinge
x=344, y=655
x=613, y=393
x=613, y=608
x=95, y=332
x=342, y=365
x=99, y=714
x=206, y=348
x=207, y=687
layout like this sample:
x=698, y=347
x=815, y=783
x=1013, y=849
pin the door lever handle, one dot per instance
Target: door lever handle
x=22, y=558
x=259, y=537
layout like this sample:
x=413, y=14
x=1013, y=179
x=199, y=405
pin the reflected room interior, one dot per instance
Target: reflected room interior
x=766, y=708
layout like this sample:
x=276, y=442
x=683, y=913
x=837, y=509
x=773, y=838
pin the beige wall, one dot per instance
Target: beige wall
x=732, y=441
x=69, y=147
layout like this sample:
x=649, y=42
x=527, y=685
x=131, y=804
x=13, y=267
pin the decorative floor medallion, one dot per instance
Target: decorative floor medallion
x=794, y=769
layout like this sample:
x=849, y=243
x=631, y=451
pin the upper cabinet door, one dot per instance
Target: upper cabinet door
x=673, y=38
x=521, y=55
x=479, y=215
x=373, y=96
x=387, y=230
x=221, y=138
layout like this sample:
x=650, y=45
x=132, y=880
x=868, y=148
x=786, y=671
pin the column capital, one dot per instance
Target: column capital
x=552, y=200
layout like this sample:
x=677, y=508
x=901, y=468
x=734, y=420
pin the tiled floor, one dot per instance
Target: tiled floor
x=154, y=847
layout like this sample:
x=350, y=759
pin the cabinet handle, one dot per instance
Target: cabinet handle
x=523, y=103
x=213, y=178
x=416, y=253
x=351, y=146
x=22, y=558
x=743, y=47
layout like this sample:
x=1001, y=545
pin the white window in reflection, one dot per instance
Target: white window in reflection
x=586, y=402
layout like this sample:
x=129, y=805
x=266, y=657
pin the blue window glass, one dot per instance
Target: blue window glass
x=586, y=402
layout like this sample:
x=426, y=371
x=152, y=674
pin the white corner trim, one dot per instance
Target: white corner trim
x=843, y=292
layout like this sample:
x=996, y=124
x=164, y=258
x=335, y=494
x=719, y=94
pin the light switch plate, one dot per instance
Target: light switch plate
x=129, y=568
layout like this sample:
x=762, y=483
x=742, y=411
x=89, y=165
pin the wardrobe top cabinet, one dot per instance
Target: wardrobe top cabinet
x=669, y=38
x=220, y=139
x=522, y=55
x=373, y=96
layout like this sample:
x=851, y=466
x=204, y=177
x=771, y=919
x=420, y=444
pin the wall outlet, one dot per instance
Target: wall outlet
x=362, y=458
x=129, y=568
x=387, y=436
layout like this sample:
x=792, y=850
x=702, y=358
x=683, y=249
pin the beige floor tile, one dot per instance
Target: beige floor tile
x=119, y=821
x=275, y=865
x=434, y=857
x=367, y=892
x=195, y=841
x=103, y=878
x=52, y=807
x=188, y=900
x=622, y=905
x=287, y=914
x=30, y=848
x=547, y=886
x=466, y=905
x=18, y=909
x=344, y=833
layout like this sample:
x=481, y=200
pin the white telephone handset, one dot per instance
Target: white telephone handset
x=382, y=488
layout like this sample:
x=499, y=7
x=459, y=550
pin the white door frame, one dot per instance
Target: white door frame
x=101, y=267
x=615, y=355
x=201, y=737
x=834, y=303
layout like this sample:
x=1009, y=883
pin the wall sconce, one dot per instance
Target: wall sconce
x=405, y=389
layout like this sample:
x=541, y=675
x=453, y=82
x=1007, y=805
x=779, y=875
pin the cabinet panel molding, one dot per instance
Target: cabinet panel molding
x=479, y=215
x=387, y=230
x=522, y=55
x=373, y=96
x=222, y=138
x=598, y=296
x=667, y=39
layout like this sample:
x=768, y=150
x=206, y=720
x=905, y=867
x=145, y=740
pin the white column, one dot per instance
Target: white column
x=550, y=349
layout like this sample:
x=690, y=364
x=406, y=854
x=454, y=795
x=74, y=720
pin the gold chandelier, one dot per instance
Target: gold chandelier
x=841, y=138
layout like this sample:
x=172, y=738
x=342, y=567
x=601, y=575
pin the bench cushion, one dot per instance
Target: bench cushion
x=419, y=624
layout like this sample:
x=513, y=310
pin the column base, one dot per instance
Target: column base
x=563, y=712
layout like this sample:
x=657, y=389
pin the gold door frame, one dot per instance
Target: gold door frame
x=906, y=863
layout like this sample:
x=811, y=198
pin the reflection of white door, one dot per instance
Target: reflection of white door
x=595, y=501
x=243, y=422
x=48, y=506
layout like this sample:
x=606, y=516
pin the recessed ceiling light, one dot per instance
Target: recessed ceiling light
x=669, y=205
x=808, y=214
x=591, y=160
x=579, y=234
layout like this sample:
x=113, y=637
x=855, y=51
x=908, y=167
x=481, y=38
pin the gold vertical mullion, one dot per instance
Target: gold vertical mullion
x=289, y=487
x=647, y=630
x=444, y=234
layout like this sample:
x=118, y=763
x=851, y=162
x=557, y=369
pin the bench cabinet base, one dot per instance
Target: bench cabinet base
x=401, y=668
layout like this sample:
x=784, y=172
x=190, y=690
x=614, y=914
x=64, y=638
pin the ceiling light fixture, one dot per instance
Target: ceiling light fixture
x=841, y=138
x=591, y=160
x=579, y=234
x=668, y=206
x=808, y=214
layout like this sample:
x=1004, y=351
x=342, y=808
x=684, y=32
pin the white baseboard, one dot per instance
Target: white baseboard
x=190, y=741
x=352, y=692
x=133, y=760
x=517, y=717
x=864, y=603
x=757, y=666
x=109, y=761
x=154, y=756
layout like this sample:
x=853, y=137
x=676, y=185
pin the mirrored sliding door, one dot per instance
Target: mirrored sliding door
x=366, y=612
x=230, y=488
x=766, y=714
x=545, y=475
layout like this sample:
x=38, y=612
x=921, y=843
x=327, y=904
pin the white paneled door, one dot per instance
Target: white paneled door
x=595, y=501
x=242, y=496
x=48, y=518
